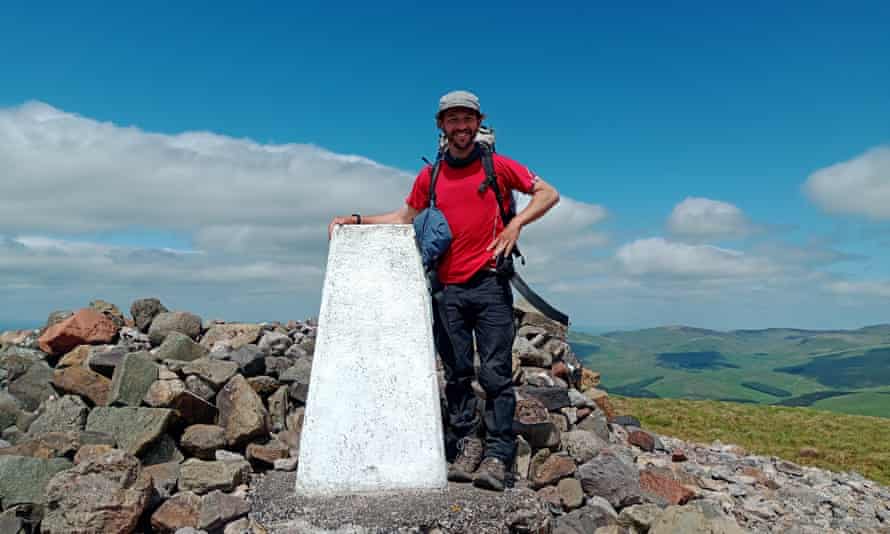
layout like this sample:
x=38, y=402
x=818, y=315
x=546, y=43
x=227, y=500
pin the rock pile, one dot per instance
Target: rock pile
x=153, y=422
x=162, y=422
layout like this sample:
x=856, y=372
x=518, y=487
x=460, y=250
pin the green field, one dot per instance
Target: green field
x=845, y=371
x=842, y=442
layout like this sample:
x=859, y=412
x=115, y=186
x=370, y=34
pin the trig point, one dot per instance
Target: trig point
x=373, y=419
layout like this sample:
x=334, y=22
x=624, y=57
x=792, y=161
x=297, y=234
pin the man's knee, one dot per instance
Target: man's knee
x=494, y=381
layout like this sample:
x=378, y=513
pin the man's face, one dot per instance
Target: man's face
x=460, y=126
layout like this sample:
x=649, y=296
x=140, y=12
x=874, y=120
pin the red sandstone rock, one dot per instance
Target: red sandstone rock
x=641, y=439
x=665, y=487
x=85, y=327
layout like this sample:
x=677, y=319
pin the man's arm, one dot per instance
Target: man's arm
x=404, y=215
x=544, y=197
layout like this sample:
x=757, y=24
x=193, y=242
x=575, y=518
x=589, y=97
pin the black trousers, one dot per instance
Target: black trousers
x=482, y=306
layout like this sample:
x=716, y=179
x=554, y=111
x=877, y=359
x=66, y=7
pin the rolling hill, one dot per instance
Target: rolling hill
x=838, y=370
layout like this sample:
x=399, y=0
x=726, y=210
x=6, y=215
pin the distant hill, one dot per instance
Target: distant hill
x=840, y=370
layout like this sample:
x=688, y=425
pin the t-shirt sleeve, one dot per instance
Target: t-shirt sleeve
x=515, y=175
x=419, y=197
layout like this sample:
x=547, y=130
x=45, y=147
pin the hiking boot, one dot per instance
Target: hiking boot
x=490, y=475
x=468, y=457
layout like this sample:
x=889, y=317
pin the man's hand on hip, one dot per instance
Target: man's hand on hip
x=504, y=243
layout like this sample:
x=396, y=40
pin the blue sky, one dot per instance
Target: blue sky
x=629, y=111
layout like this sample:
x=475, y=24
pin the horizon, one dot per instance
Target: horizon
x=720, y=166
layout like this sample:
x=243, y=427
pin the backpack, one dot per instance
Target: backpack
x=434, y=235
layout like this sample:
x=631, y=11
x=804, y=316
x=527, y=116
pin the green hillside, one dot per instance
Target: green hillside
x=846, y=371
x=835, y=441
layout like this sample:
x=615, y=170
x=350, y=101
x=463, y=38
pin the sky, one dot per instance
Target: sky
x=719, y=166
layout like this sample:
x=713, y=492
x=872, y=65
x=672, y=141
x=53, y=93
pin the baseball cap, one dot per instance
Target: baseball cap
x=458, y=99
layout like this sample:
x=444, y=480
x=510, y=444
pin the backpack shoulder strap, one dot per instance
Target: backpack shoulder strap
x=434, y=174
x=491, y=180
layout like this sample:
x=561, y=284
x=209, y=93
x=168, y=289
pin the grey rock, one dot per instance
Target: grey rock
x=640, y=516
x=299, y=372
x=580, y=400
x=552, y=398
x=250, y=359
x=144, y=311
x=33, y=386
x=180, y=347
x=132, y=378
x=23, y=479
x=298, y=392
x=609, y=477
x=166, y=322
x=275, y=365
x=214, y=372
x=205, y=476
x=163, y=450
x=200, y=387
x=60, y=414
x=232, y=335
x=133, y=339
x=218, y=508
x=134, y=429
x=228, y=456
x=202, y=441
x=596, y=422
x=695, y=518
x=278, y=407
x=275, y=343
x=104, y=360
x=297, y=352
x=9, y=409
x=571, y=494
x=531, y=355
x=582, y=445
x=597, y=513
x=241, y=526
x=285, y=464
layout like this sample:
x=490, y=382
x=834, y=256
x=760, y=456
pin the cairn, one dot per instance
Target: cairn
x=162, y=422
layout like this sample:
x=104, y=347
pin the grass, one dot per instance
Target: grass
x=845, y=442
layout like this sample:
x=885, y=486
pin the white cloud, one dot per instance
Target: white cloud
x=867, y=288
x=860, y=186
x=255, y=215
x=705, y=218
x=657, y=256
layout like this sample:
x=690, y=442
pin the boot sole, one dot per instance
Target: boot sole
x=488, y=482
x=459, y=476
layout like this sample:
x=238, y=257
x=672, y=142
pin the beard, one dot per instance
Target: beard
x=468, y=137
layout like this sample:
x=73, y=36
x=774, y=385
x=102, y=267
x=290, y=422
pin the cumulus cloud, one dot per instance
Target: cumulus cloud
x=698, y=217
x=860, y=186
x=657, y=256
x=255, y=214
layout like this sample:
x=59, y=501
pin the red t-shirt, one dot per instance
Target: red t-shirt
x=474, y=218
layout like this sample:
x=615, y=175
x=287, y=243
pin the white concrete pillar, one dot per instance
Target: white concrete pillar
x=373, y=420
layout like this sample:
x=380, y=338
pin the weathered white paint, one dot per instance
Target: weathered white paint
x=373, y=419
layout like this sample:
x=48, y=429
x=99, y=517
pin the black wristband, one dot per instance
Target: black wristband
x=358, y=218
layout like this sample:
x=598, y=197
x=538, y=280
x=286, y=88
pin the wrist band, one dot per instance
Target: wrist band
x=358, y=218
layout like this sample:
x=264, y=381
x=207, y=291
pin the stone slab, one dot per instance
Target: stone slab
x=373, y=419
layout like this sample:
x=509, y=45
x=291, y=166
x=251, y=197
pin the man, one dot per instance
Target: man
x=475, y=300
